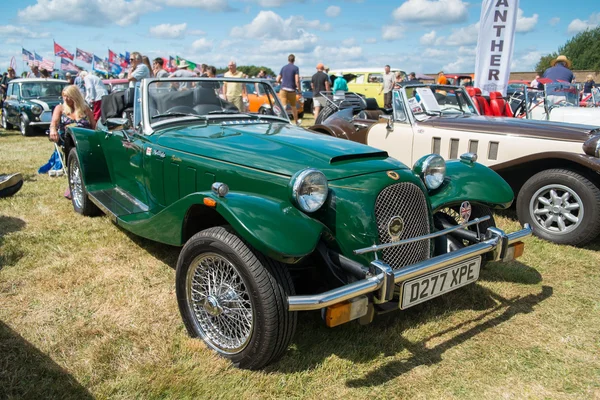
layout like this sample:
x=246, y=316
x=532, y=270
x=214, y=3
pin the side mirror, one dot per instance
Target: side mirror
x=389, y=124
x=118, y=124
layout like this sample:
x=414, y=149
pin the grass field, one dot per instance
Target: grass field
x=89, y=311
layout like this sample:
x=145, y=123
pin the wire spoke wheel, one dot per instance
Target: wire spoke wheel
x=75, y=184
x=220, y=302
x=557, y=209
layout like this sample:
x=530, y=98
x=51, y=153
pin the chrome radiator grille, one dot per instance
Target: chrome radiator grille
x=407, y=201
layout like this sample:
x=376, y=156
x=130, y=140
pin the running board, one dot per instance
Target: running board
x=116, y=203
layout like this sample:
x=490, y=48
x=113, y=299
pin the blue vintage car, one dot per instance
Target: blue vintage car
x=29, y=103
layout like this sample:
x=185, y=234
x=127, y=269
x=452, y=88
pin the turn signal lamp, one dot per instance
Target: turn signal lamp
x=514, y=251
x=346, y=311
x=210, y=202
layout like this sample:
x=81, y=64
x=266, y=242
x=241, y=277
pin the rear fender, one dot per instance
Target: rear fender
x=473, y=182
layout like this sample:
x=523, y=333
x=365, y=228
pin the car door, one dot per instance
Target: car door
x=373, y=87
x=124, y=151
x=396, y=137
x=11, y=104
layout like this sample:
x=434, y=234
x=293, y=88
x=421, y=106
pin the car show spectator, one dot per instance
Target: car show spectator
x=10, y=75
x=34, y=73
x=398, y=79
x=589, y=84
x=560, y=70
x=387, y=86
x=535, y=83
x=319, y=83
x=340, y=84
x=441, y=79
x=183, y=71
x=146, y=62
x=138, y=69
x=262, y=74
x=203, y=70
x=44, y=73
x=157, y=68
x=289, y=77
x=78, y=81
x=69, y=78
x=211, y=71
x=412, y=78
x=72, y=112
x=235, y=92
x=94, y=91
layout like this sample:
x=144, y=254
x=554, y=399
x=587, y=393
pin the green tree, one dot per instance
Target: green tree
x=582, y=49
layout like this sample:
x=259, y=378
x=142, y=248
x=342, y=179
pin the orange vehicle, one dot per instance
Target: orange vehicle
x=259, y=102
x=460, y=80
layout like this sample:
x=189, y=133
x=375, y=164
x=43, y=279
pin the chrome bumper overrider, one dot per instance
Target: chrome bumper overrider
x=383, y=278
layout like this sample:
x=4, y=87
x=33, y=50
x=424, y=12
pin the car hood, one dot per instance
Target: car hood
x=280, y=148
x=47, y=103
x=514, y=126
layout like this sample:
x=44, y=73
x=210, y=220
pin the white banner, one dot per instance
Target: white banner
x=495, y=45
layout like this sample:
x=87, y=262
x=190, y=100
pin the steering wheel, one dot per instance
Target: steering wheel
x=181, y=109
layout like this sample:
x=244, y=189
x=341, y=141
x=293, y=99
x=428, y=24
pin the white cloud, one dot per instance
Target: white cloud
x=428, y=39
x=196, y=32
x=554, y=21
x=21, y=32
x=461, y=64
x=371, y=40
x=430, y=12
x=467, y=50
x=306, y=42
x=526, y=61
x=525, y=24
x=269, y=25
x=578, y=25
x=168, y=31
x=461, y=37
x=333, y=11
x=435, y=53
x=208, y=5
x=202, y=44
x=274, y=3
x=392, y=32
x=349, y=42
x=335, y=55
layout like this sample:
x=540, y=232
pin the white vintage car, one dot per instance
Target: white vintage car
x=556, y=102
x=552, y=167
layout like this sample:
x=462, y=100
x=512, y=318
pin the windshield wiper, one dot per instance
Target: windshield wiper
x=178, y=114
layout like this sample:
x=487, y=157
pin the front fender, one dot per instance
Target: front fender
x=473, y=182
x=274, y=227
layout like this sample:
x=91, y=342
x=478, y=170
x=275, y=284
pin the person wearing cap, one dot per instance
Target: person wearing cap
x=560, y=70
x=138, y=69
x=182, y=72
x=319, y=83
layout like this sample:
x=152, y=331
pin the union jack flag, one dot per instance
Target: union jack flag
x=84, y=56
x=60, y=51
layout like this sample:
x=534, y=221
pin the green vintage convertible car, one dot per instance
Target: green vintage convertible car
x=29, y=103
x=274, y=219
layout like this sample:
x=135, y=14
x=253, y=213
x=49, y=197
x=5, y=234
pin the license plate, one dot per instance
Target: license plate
x=434, y=284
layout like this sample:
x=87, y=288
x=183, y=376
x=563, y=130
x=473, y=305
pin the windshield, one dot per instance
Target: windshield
x=430, y=100
x=561, y=95
x=205, y=98
x=32, y=90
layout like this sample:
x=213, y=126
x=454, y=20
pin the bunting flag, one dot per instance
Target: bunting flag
x=192, y=65
x=27, y=55
x=37, y=59
x=112, y=56
x=115, y=69
x=67, y=65
x=84, y=56
x=60, y=51
x=47, y=65
x=172, y=64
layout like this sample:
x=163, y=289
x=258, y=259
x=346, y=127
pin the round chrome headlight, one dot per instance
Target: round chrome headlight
x=309, y=189
x=433, y=171
x=36, y=109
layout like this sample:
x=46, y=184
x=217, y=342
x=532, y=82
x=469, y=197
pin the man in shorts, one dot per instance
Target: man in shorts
x=319, y=83
x=289, y=77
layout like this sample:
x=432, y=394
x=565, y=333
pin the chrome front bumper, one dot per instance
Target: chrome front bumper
x=383, y=278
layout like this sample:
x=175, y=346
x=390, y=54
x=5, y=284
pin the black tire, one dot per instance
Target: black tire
x=581, y=191
x=79, y=196
x=24, y=127
x=325, y=113
x=261, y=284
x=5, y=124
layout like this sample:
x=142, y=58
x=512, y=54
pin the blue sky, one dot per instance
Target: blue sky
x=416, y=35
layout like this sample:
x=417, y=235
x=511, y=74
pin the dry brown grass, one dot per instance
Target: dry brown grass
x=88, y=310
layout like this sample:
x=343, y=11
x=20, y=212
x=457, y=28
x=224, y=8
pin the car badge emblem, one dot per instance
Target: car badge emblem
x=395, y=228
x=148, y=151
x=393, y=174
x=465, y=211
